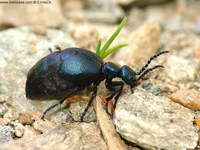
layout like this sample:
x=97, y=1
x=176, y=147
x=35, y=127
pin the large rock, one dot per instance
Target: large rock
x=48, y=14
x=20, y=49
x=155, y=122
x=142, y=44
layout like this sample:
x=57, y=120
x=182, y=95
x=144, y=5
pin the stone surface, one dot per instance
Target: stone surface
x=16, y=60
x=78, y=108
x=93, y=11
x=11, y=115
x=180, y=69
x=3, y=110
x=3, y=98
x=155, y=122
x=188, y=98
x=33, y=14
x=142, y=44
x=19, y=129
x=6, y=134
x=66, y=136
x=25, y=118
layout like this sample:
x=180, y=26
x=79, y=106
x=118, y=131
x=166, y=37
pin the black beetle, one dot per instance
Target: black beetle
x=66, y=72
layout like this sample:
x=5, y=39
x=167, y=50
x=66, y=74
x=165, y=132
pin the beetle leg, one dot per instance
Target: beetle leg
x=61, y=101
x=110, y=85
x=50, y=49
x=111, y=107
x=94, y=94
x=57, y=47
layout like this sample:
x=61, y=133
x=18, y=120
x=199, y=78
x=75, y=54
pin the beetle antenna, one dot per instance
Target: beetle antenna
x=57, y=47
x=149, y=61
x=148, y=70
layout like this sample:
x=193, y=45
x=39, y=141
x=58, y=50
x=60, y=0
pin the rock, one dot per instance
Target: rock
x=197, y=27
x=19, y=129
x=42, y=126
x=3, y=99
x=39, y=124
x=25, y=118
x=6, y=134
x=11, y=115
x=151, y=88
x=14, y=45
x=30, y=132
x=197, y=121
x=3, y=110
x=78, y=108
x=180, y=69
x=85, y=37
x=67, y=136
x=197, y=52
x=188, y=98
x=73, y=5
x=142, y=44
x=155, y=122
x=93, y=11
x=3, y=121
x=42, y=30
x=36, y=14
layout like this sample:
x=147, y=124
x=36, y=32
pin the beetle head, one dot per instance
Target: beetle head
x=128, y=76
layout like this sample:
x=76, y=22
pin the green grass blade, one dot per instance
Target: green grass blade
x=98, y=47
x=109, y=51
x=114, y=35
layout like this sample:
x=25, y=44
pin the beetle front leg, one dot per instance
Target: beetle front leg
x=110, y=85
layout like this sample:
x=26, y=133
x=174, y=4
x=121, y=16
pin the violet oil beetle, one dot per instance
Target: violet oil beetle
x=63, y=73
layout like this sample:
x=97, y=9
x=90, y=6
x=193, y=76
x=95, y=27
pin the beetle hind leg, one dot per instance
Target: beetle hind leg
x=94, y=94
x=61, y=101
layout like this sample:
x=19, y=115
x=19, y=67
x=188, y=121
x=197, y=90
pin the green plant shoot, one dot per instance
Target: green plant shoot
x=105, y=51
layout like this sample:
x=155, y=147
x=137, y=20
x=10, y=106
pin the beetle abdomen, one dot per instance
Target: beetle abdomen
x=44, y=81
x=57, y=74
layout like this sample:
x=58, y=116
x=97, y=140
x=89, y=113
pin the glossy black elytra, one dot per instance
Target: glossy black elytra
x=66, y=72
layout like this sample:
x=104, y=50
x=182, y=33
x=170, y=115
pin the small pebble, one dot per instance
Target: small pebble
x=180, y=69
x=6, y=134
x=32, y=49
x=11, y=115
x=197, y=52
x=3, y=121
x=3, y=99
x=19, y=129
x=42, y=125
x=3, y=110
x=29, y=132
x=188, y=98
x=25, y=118
x=40, y=30
x=197, y=121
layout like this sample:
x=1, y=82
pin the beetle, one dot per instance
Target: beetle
x=64, y=73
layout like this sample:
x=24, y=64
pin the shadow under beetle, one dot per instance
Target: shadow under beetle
x=65, y=72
